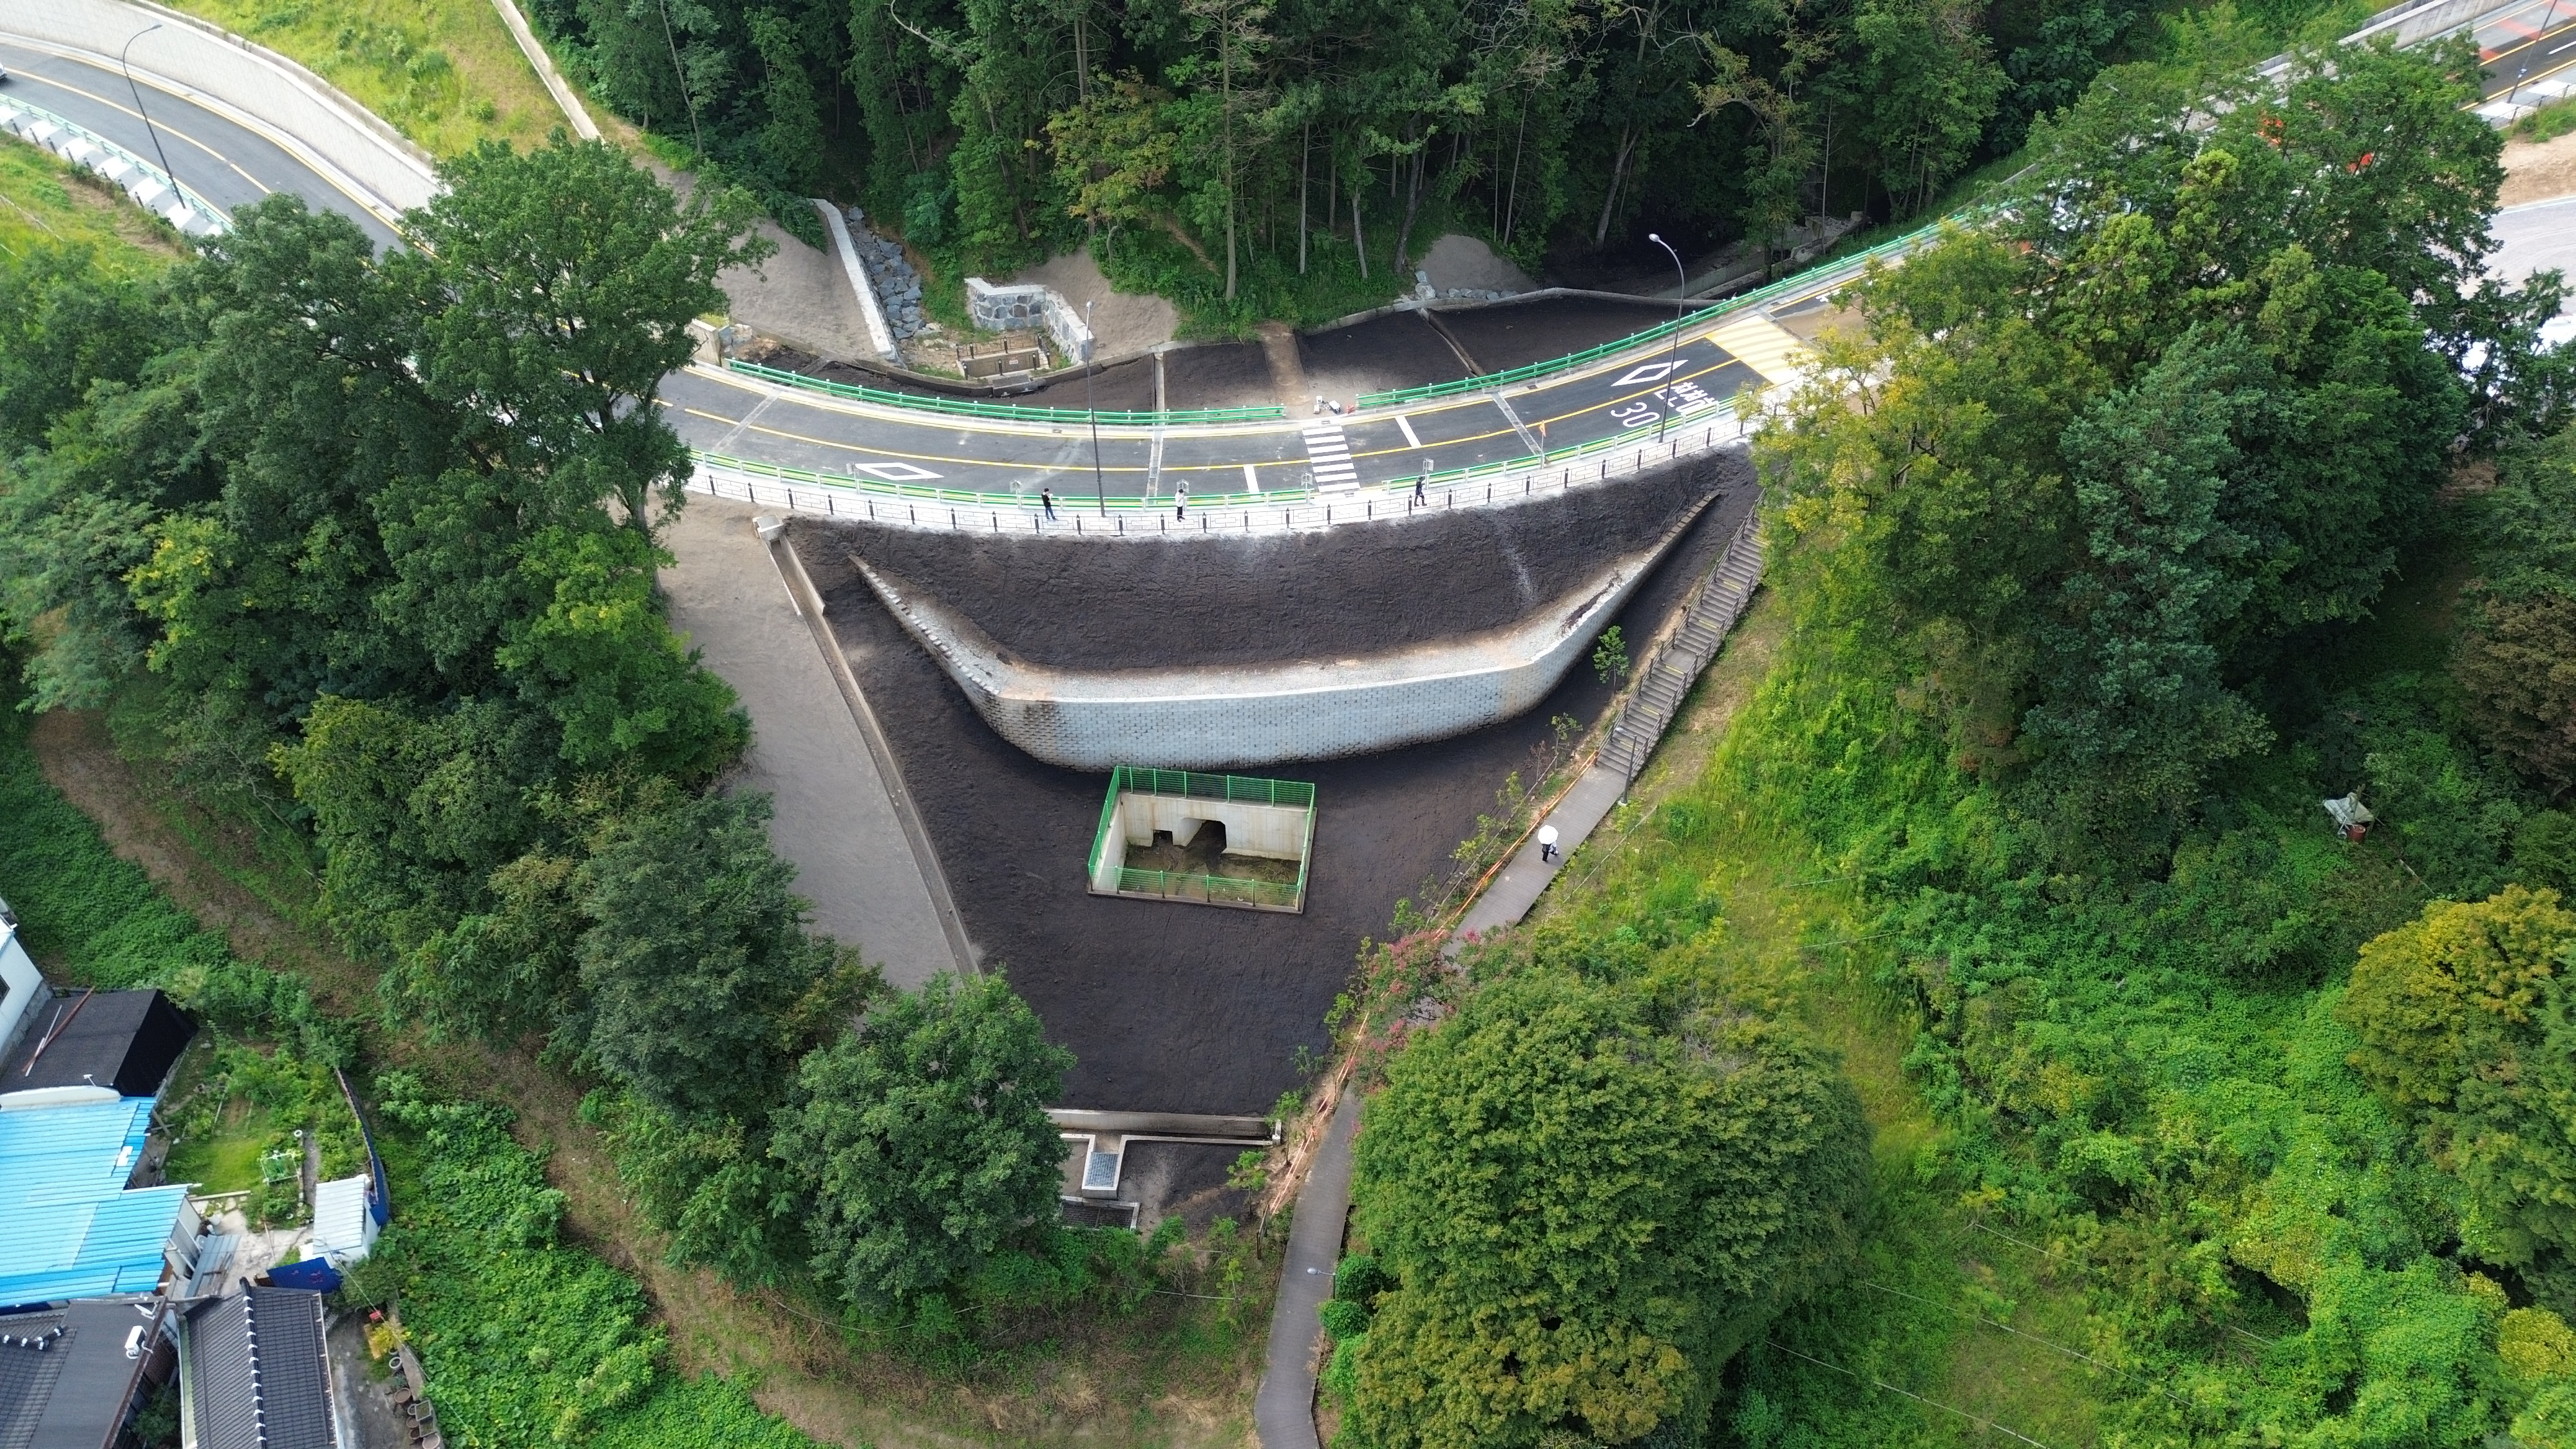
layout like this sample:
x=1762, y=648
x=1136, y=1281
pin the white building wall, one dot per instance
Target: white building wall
x=1277, y=831
x=22, y=987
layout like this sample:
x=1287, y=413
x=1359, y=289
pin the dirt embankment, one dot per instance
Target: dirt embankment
x=1159, y=603
x=1173, y=1007
x=2538, y=173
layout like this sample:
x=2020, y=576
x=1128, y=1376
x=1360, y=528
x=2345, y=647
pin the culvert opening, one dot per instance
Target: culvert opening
x=1217, y=840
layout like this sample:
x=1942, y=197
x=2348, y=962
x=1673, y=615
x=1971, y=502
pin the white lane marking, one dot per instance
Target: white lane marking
x=1406, y=423
x=1328, y=455
x=892, y=472
x=1251, y=479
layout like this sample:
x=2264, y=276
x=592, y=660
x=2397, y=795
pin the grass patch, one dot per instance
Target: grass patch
x=444, y=72
x=46, y=201
x=1942, y=1304
x=2548, y=123
x=224, y=1155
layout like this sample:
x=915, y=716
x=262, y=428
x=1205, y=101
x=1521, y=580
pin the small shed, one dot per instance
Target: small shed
x=344, y=1219
x=123, y=1040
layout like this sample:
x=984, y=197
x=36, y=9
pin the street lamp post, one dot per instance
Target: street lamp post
x=1672, y=354
x=1090, y=370
x=148, y=127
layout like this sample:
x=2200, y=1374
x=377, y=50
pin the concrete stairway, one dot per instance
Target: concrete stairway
x=1676, y=665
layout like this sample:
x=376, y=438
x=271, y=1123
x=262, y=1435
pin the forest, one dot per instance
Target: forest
x=1250, y=153
x=2205, y=484
x=362, y=546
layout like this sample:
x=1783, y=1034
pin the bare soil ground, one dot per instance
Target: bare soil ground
x=2537, y=173
x=1397, y=350
x=1085, y=604
x=1187, y=1008
x=1218, y=375
x=1120, y=321
x=1516, y=334
x=1458, y=260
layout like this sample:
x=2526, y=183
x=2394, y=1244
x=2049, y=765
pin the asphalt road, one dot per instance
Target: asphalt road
x=233, y=165
x=2531, y=42
x=227, y=163
x=2535, y=236
x=737, y=417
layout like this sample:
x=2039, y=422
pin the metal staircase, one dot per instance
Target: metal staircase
x=1715, y=605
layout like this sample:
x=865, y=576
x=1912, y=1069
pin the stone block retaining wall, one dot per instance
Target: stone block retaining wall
x=1028, y=306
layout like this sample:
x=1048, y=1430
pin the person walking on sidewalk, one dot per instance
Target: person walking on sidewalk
x=1547, y=844
x=1046, y=500
x=1181, y=500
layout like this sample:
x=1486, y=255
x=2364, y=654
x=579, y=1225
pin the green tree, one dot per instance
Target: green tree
x=695, y=956
x=1933, y=84
x=556, y=287
x=925, y=1139
x=2136, y=712
x=1585, y=1216
x=2468, y=1029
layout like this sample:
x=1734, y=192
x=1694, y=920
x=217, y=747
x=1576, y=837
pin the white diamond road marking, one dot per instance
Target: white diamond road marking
x=1329, y=453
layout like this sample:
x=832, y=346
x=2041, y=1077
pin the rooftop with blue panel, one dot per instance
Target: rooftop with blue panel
x=76, y=1229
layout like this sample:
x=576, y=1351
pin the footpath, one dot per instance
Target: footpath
x=841, y=815
x=1284, y=1411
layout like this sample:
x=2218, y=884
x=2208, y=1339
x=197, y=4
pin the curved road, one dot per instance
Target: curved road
x=221, y=159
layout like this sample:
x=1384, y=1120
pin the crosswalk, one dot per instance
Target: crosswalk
x=1328, y=452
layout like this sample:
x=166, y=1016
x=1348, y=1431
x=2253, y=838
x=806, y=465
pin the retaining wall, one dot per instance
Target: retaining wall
x=1214, y=719
x=1027, y=305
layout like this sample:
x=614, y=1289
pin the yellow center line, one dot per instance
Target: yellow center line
x=161, y=125
x=1235, y=466
x=877, y=452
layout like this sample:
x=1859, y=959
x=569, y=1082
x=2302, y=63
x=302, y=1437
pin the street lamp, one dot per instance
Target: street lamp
x=1090, y=370
x=1672, y=354
x=148, y=127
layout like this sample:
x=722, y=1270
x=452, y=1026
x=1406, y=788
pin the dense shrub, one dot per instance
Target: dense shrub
x=1584, y=1211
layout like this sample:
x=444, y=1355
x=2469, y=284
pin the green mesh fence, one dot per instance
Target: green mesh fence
x=1214, y=890
x=1652, y=334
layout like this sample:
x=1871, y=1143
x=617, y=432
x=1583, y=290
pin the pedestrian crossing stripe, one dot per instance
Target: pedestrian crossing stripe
x=1763, y=345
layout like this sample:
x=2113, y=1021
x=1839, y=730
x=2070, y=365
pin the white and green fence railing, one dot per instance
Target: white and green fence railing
x=893, y=498
x=154, y=189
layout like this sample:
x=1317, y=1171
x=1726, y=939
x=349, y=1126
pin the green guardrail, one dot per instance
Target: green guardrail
x=1214, y=890
x=1217, y=890
x=1190, y=784
x=1013, y=412
x=1656, y=333
x=872, y=491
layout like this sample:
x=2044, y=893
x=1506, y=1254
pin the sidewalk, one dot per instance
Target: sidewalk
x=1283, y=1413
x=1526, y=878
x=835, y=819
